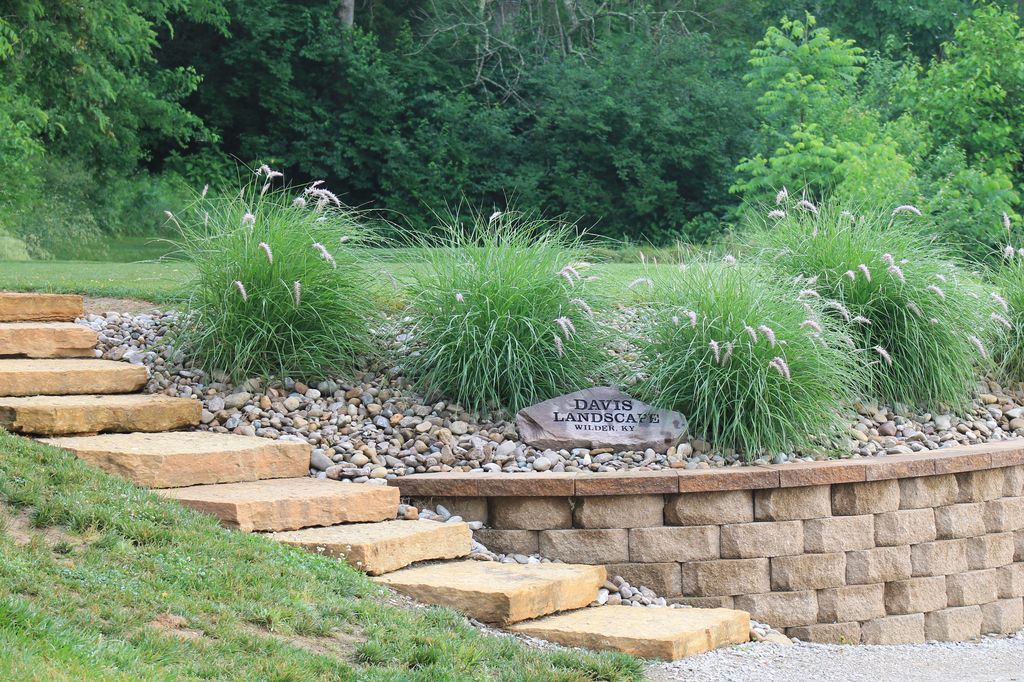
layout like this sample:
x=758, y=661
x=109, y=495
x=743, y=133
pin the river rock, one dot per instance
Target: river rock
x=602, y=417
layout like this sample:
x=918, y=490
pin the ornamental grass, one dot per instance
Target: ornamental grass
x=917, y=319
x=752, y=362
x=503, y=314
x=1008, y=316
x=283, y=285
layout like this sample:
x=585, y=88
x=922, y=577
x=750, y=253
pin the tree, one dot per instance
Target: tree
x=347, y=12
x=804, y=80
x=83, y=104
x=90, y=68
x=974, y=94
x=797, y=68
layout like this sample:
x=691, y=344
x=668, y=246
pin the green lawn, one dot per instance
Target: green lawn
x=158, y=281
x=88, y=563
x=164, y=281
x=114, y=249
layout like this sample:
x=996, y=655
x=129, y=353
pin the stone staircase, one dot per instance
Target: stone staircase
x=52, y=387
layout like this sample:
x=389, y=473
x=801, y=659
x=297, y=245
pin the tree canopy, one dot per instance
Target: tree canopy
x=646, y=121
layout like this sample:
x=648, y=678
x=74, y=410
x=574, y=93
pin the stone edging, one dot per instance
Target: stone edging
x=946, y=461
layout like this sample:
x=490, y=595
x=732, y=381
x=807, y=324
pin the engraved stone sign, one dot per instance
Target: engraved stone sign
x=602, y=417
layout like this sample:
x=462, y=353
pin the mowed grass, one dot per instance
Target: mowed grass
x=125, y=249
x=100, y=580
x=165, y=281
x=160, y=282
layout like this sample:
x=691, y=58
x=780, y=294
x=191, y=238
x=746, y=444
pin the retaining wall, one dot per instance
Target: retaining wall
x=885, y=550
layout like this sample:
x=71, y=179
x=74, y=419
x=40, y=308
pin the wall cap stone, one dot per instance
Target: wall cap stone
x=955, y=459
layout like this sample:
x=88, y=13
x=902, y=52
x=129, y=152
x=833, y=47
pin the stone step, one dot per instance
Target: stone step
x=378, y=548
x=69, y=377
x=289, y=503
x=40, y=307
x=499, y=593
x=59, y=415
x=668, y=634
x=47, y=340
x=171, y=460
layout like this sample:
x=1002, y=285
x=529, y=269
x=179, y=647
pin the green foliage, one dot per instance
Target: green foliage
x=967, y=202
x=813, y=134
x=12, y=248
x=503, y=316
x=635, y=137
x=816, y=134
x=452, y=147
x=893, y=136
x=119, y=101
x=292, y=87
x=974, y=95
x=634, y=122
x=281, y=288
x=915, y=317
x=20, y=122
x=83, y=102
x=798, y=67
x=87, y=210
x=751, y=365
x=201, y=167
x=639, y=136
x=924, y=25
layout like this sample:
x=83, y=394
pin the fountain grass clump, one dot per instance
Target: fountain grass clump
x=502, y=316
x=916, y=318
x=282, y=286
x=754, y=363
x=1008, y=316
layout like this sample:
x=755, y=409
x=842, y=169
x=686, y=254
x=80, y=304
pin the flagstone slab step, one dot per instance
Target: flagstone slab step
x=289, y=503
x=47, y=340
x=668, y=634
x=58, y=415
x=69, y=377
x=378, y=548
x=493, y=592
x=40, y=307
x=171, y=460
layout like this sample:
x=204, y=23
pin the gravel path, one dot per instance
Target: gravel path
x=988, y=659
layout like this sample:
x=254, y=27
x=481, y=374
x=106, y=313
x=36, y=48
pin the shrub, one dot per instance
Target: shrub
x=966, y=201
x=914, y=315
x=752, y=364
x=282, y=286
x=12, y=248
x=502, y=314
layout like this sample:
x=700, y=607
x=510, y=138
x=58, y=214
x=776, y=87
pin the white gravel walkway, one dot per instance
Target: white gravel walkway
x=994, y=658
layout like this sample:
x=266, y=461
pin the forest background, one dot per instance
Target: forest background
x=647, y=122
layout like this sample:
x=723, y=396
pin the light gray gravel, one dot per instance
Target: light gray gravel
x=993, y=658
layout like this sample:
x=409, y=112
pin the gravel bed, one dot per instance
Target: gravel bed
x=377, y=427
x=991, y=658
